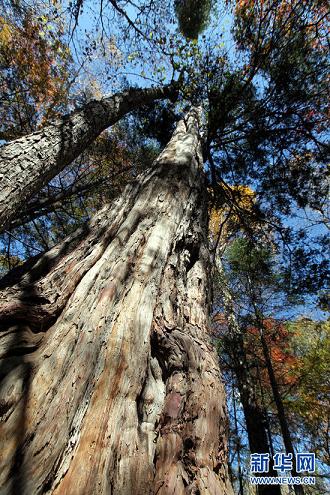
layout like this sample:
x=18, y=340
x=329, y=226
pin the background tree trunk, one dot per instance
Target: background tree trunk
x=109, y=382
x=287, y=440
x=254, y=413
x=29, y=163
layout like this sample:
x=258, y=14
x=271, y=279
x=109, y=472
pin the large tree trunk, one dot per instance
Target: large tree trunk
x=29, y=163
x=109, y=382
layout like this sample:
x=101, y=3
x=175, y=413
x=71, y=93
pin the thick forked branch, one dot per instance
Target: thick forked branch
x=29, y=163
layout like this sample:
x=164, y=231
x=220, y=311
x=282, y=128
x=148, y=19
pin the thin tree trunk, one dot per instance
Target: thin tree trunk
x=286, y=435
x=109, y=381
x=254, y=414
x=279, y=406
x=29, y=163
x=238, y=448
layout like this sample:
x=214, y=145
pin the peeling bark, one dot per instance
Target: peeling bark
x=109, y=383
x=29, y=163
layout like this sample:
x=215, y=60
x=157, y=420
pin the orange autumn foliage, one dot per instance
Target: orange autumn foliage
x=277, y=338
x=34, y=69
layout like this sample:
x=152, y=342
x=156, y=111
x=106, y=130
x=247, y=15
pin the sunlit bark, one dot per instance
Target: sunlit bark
x=110, y=384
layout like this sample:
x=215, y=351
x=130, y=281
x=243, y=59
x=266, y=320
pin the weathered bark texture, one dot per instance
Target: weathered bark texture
x=254, y=413
x=109, y=382
x=29, y=163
